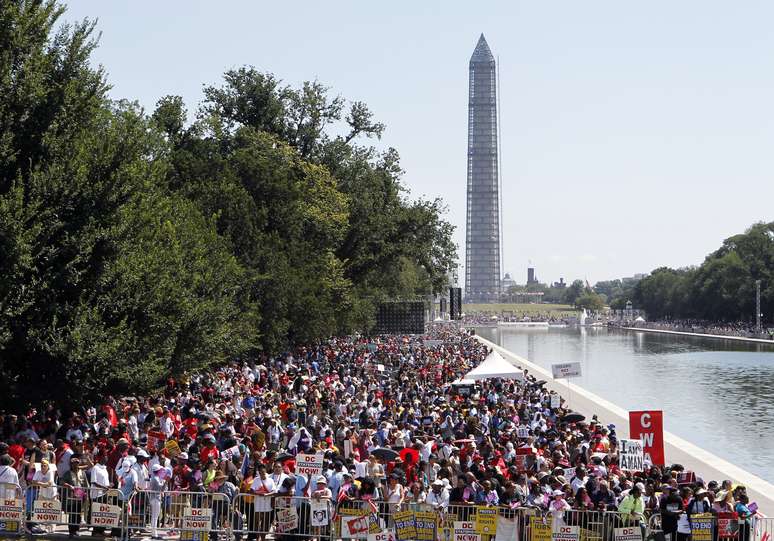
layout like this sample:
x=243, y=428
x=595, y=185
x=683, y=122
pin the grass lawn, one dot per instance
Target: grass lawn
x=554, y=309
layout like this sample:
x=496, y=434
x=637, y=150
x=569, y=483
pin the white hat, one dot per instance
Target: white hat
x=157, y=467
x=322, y=479
x=558, y=493
x=143, y=454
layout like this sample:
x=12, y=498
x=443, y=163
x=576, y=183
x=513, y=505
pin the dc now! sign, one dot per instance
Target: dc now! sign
x=197, y=519
x=105, y=515
x=565, y=533
x=648, y=426
x=627, y=534
x=10, y=509
x=465, y=531
x=309, y=464
x=47, y=511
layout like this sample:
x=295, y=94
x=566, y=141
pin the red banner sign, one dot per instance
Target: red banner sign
x=649, y=427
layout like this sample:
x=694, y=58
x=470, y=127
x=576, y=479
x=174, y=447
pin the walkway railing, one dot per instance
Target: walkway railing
x=205, y=516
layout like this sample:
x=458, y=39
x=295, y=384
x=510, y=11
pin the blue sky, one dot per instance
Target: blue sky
x=634, y=134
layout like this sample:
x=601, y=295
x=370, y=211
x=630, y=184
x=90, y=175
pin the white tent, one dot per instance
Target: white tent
x=639, y=319
x=495, y=366
x=464, y=382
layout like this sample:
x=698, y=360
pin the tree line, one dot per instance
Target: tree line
x=721, y=288
x=140, y=245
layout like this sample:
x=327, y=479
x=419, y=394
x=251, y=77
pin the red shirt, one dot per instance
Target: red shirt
x=208, y=453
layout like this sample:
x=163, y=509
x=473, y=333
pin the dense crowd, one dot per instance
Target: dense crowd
x=393, y=429
x=699, y=326
x=484, y=319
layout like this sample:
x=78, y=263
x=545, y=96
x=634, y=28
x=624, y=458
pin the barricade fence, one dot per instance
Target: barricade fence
x=216, y=516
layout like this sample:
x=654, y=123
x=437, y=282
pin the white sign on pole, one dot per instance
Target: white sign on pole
x=556, y=401
x=522, y=432
x=566, y=370
x=630, y=455
x=309, y=464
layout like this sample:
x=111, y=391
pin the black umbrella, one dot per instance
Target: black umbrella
x=573, y=418
x=282, y=457
x=383, y=453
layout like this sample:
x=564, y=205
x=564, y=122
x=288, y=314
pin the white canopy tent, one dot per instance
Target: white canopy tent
x=495, y=366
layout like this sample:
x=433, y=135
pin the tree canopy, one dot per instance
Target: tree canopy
x=136, y=246
x=722, y=288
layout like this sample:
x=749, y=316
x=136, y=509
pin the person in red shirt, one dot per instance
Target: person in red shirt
x=209, y=451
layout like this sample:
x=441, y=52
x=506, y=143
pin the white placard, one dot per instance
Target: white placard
x=565, y=533
x=105, y=515
x=566, y=370
x=197, y=519
x=320, y=511
x=630, y=455
x=309, y=464
x=47, y=511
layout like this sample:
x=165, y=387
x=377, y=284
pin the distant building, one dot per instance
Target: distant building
x=561, y=284
x=507, y=282
x=634, y=279
x=531, y=276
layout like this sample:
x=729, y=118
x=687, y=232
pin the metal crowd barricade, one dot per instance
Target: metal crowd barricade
x=282, y=517
x=12, y=514
x=189, y=514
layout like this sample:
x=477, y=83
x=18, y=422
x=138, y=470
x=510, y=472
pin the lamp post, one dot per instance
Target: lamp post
x=758, y=306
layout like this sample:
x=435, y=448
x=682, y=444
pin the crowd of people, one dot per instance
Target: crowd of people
x=392, y=427
x=699, y=326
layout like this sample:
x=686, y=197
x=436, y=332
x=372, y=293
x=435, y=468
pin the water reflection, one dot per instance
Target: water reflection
x=717, y=394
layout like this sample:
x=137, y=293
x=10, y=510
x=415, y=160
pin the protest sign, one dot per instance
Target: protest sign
x=648, y=426
x=320, y=511
x=565, y=533
x=569, y=474
x=47, y=511
x=426, y=523
x=556, y=401
x=198, y=519
x=309, y=464
x=231, y=452
x=405, y=527
x=627, y=534
x=630, y=455
x=156, y=440
x=380, y=367
x=11, y=511
x=384, y=535
x=357, y=523
x=522, y=432
x=728, y=525
x=347, y=448
x=486, y=520
x=686, y=478
x=465, y=531
x=172, y=448
x=287, y=520
x=701, y=526
x=539, y=528
x=105, y=515
x=507, y=529
x=566, y=370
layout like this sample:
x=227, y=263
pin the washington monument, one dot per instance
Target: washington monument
x=482, y=240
